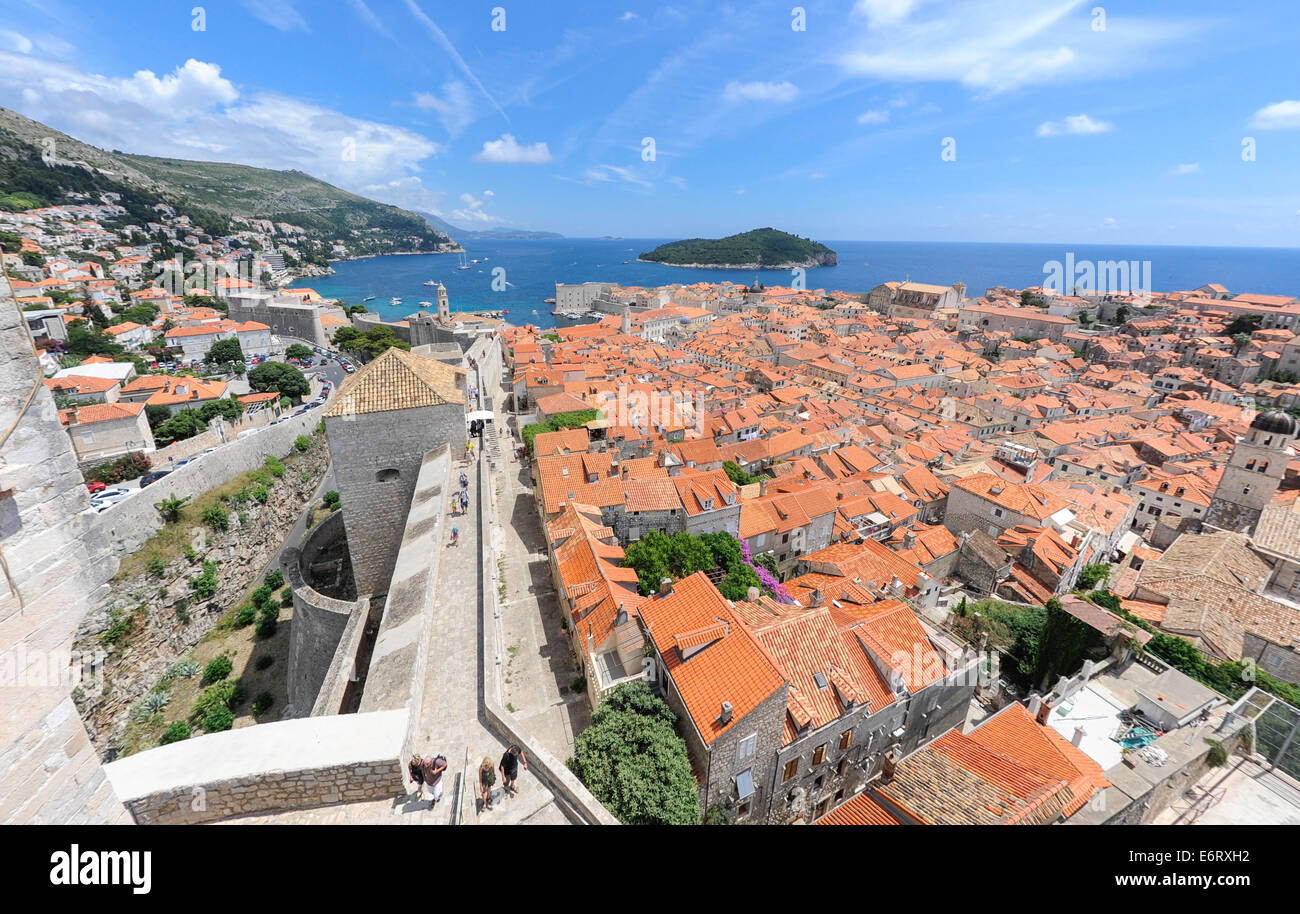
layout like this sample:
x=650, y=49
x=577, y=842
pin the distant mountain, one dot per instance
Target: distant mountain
x=39, y=165
x=497, y=234
x=764, y=248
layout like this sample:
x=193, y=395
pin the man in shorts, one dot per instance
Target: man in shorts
x=510, y=769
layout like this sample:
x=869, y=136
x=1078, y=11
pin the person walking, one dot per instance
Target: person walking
x=432, y=769
x=464, y=501
x=487, y=776
x=510, y=769
x=455, y=537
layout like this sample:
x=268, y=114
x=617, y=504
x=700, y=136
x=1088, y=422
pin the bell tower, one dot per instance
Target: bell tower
x=444, y=308
x=1253, y=473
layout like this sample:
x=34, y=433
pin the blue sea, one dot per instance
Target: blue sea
x=532, y=268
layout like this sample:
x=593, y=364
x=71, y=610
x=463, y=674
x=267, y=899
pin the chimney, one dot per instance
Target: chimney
x=665, y=587
x=725, y=717
x=817, y=599
x=1034, y=704
x=1075, y=740
x=909, y=539
x=1044, y=711
x=753, y=594
x=621, y=618
x=889, y=766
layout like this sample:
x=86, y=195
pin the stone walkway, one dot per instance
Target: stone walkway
x=450, y=723
x=538, y=664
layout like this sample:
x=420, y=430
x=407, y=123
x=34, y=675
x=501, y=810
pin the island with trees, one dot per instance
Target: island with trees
x=761, y=249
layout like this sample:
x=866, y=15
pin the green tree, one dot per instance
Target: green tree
x=225, y=351
x=1093, y=576
x=157, y=414
x=184, y=424
x=228, y=408
x=633, y=761
x=1244, y=323
x=277, y=376
x=298, y=351
x=736, y=474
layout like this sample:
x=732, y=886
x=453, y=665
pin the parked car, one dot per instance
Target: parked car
x=94, y=487
x=109, y=497
x=246, y=433
x=181, y=463
x=152, y=477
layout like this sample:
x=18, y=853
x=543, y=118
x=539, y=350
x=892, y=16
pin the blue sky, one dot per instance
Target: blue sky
x=1063, y=130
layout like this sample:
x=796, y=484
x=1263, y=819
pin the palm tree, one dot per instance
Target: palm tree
x=170, y=508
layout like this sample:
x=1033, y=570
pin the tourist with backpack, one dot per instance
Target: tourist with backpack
x=487, y=776
x=415, y=773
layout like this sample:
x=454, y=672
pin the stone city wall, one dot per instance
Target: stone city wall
x=126, y=526
x=56, y=565
x=318, y=621
x=289, y=764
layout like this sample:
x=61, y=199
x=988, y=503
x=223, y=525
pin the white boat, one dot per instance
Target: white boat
x=426, y=304
x=463, y=265
x=430, y=282
x=368, y=298
x=394, y=301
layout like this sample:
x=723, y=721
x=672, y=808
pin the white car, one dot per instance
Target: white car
x=109, y=497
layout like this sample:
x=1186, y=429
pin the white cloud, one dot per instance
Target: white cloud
x=760, y=92
x=12, y=41
x=508, y=150
x=196, y=112
x=874, y=116
x=740, y=191
x=368, y=16
x=1075, y=124
x=450, y=49
x=628, y=16
x=279, y=14
x=1277, y=116
x=608, y=173
x=455, y=109
x=1190, y=168
x=884, y=12
x=993, y=46
x=471, y=209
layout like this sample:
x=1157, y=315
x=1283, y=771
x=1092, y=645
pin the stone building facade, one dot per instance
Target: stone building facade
x=1253, y=473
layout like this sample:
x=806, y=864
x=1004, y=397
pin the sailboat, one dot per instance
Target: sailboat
x=368, y=298
x=463, y=265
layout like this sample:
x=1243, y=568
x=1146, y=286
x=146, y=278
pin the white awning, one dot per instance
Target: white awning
x=481, y=414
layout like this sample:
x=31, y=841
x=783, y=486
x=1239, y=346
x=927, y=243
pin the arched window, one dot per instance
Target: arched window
x=389, y=475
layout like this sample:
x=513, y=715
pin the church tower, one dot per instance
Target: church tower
x=1257, y=465
x=627, y=320
x=444, y=308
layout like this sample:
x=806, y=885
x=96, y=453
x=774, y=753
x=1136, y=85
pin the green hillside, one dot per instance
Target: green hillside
x=765, y=247
x=210, y=193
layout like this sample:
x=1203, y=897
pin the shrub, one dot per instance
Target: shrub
x=262, y=702
x=191, y=554
x=264, y=661
x=218, y=668
x=128, y=466
x=273, y=464
x=217, y=720
x=332, y=500
x=121, y=627
x=1218, y=756
x=216, y=518
x=262, y=596
x=301, y=443
x=260, y=494
x=274, y=580
x=266, y=626
x=175, y=733
x=286, y=597
x=182, y=669
x=214, y=697
x=205, y=585
x=247, y=613
x=170, y=508
x=157, y=566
